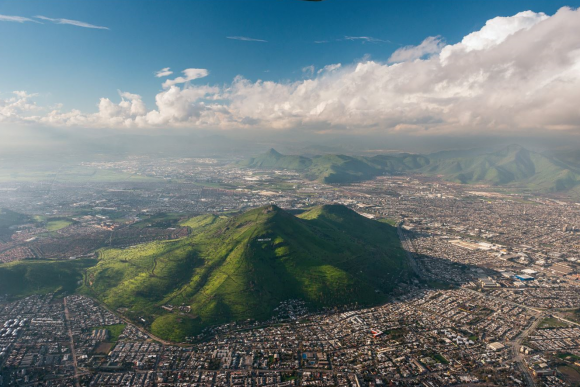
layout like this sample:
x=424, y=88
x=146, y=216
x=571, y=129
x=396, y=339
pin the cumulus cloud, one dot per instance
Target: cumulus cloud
x=495, y=31
x=164, y=72
x=190, y=75
x=516, y=74
x=18, y=107
x=71, y=22
x=246, y=39
x=17, y=19
x=429, y=46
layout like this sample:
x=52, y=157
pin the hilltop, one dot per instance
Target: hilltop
x=242, y=267
x=510, y=166
x=275, y=160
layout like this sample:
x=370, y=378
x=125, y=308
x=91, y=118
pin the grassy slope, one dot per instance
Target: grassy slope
x=328, y=256
x=24, y=278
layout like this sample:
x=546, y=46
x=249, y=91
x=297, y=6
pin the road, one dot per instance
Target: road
x=141, y=329
x=519, y=358
x=72, y=343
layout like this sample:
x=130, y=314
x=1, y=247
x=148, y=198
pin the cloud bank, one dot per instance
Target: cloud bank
x=515, y=75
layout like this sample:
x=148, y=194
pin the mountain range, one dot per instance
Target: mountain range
x=510, y=166
x=242, y=267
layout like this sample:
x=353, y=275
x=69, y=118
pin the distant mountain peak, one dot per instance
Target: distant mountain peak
x=274, y=152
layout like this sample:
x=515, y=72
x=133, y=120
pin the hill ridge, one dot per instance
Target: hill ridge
x=326, y=256
x=511, y=165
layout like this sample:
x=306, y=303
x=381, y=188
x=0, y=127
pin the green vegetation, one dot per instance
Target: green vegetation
x=57, y=224
x=391, y=221
x=336, y=168
x=68, y=174
x=274, y=160
x=440, y=358
x=242, y=267
x=9, y=219
x=114, y=331
x=161, y=220
x=513, y=166
x=551, y=322
x=23, y=278
x=200, y=222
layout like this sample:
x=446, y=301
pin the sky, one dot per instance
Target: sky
x=365, y=68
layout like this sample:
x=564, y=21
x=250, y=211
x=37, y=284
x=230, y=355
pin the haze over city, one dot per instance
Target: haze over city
x=290, y=193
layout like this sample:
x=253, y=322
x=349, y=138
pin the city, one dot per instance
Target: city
x=494, y=302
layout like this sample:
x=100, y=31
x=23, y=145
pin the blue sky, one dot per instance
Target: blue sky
x=406, y=66
x=76, y=66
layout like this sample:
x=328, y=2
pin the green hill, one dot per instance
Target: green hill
x=242, y=267
x=274, y=160
x=331, y=168
x=512, y=165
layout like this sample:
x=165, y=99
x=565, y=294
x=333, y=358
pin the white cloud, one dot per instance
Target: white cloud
x=164, y=72
x=329, y=68
x=308, y=70
x=71, y=22
x=495, y=32
x=246, y=39
x=17, y=19
x=190, y=75
x=430, y=46
x=17, y=109
x=514, y=75
x=366, y=39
